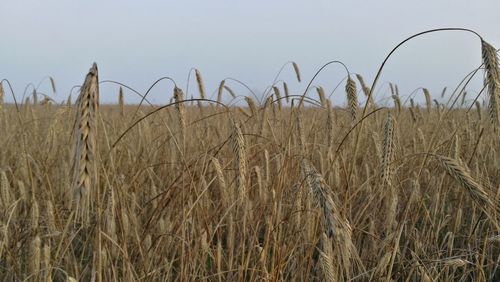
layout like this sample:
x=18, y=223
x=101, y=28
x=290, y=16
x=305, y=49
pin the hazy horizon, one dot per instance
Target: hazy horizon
x=137, y=42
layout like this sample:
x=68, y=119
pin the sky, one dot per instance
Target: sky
x=137, y=42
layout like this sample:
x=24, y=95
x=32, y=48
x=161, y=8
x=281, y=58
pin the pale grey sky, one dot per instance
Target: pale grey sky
x=136, y=42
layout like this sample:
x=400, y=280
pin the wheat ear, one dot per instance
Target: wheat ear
x=388, y=147
x=397, y=103
x=85, y=174
x=201, y=85
x=287, y=92
x=5, y=190
x=462, y=175
x=391, y=198
x=251, y=105
x=478, y=110
x=326, y=259
x=428, y=100
x=238, y=145
x=35, y=256
x=335, y=226
x=230, y=91
x=321, y=95
x=278, y=96
x=181, y=112
x=121, y=101
x=492, y=80
x=365, y=88
x=297, y=71
x=352, y=97
x=219, y=90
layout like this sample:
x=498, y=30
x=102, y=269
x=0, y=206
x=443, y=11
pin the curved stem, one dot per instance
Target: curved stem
x=316, y=74
x=126, y=86
x=266, y=92
x=12, y=92
x=159, y=109
x=150, y=88
x=244, y=85
x=379, y=72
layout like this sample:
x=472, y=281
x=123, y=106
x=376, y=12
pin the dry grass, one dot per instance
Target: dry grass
x=254, y=192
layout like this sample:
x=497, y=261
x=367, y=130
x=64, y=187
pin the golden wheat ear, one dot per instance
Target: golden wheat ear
x=121, y=102
x=476, y=192
x=239, y=149
x=219, y=90
x=181, y=112
x=84, y=162
x=352, y=97
x=492, y=80
x=201, y=84
x=335, y=226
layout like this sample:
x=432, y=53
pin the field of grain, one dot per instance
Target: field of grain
x=283, y=188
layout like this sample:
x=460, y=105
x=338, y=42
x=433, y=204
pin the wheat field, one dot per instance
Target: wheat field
x=284, y=188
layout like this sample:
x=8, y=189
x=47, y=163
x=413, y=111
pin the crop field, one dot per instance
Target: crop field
x=280, y=186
